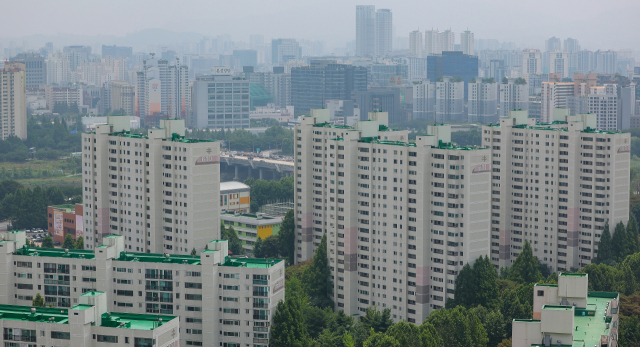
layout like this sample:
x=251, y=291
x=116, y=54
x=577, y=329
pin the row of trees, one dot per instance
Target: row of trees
x=49, y=135
x=69, y=242
x=624, y=242
x=27, y=208
x=264, y=192
x=275, y=137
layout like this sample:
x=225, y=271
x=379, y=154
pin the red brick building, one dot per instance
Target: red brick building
x=63, y=220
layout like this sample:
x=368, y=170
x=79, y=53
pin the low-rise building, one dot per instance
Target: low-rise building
x=85, y=324
x=235, y=196
x=567, y=314
x=63, y=220
x=251, y=226
x=222, y=301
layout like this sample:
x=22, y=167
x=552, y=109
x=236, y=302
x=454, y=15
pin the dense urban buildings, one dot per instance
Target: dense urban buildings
x=13, y=101
x=123, y=97
x=283, y=50
x=210, y=292
x=401, y=218
x=160, y=191
x=482, y=103
x=374, y=31
x=384, y=32
x=514, y=95
x=424, y=100
x=568, y=314
x=453, y=64
x=35, y=67
x=555, y=184
x=63, y=220
x=117, y=52
x=450, y=100
x=415, y=43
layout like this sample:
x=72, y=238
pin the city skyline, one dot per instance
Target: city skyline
x=564, y=24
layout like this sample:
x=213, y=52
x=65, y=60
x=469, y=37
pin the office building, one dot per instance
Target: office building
x=123, y=97
x=365, y=30
x=85, y=324
x=384, y=32
x=454, y=64
x=65, y=95
x=555, y=185
x=553, y=44
x=482, y=103
x=13, y=101
x=165, y=184
x=450, y=100
x=162, y=91
x=447, y=40
x=514, y=95
x=218, y=299
x=246, y=57
x=568, y=314
x=559, y=63
x=531, y=62
x=432, y=42
x=401, y=219
x=424, y=100
x=35, y=67
x=467, y=42
x=312, y=86
x=283, y=50
x=389, y=74
x=387, y=100
x=235, y=196
x=220, y=101
x=63, y=220
x=251, y=226
x=117, y=52
x=415, y=43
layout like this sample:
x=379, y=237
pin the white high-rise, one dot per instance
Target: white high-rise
x=365, y=30
x=531, y=63
x=13, y=101
x=467, y=42
x=482, y=101
x=555, y=185
x=450, y=100
x=559, y=63
x=432, y=42
x=415, y=43
x=447, y=41
x=424, y=99
x=160, y=191
x=514, y=95
x=401, y=218
x=604, y=103
x=384, y=32
x=162, y=89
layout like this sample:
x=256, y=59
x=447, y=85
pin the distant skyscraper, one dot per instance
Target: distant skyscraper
x=454, y=64
x=415, y=43
x=384, y=32
x=255, y=41
x=117, y=51
x=36, y=68
x=247, y=57
x=482, y=101
x=553, y=44
x=13, y=98
x=571, y=45
x=424, y=100
x=365, y=30
x=283, y=50
x=447, y=41
x=450, y=100
x=514, y=95
x=466, y=42
x=531, y=62
x=559, y=63
x=497, y=70
x=432, y=42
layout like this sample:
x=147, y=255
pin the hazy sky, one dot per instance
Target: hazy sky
x=596, y=23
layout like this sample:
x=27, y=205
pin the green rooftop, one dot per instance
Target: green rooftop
x=55, y=252
x=568, y=274
x=43, y=315
x=251, y=262
x=92, y=293
x=557, y=307
x=174, y=137
x=67, y=208
x=134, y=321
x=159, y=258
x=81, y=307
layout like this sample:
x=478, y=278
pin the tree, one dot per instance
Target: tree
x=271, y=247
x=38, y=301
x=287, y=237
x=626, y=280
x=381, y=340
x=193, y=252
x=235, y=245
x=485, y=283
x=464, y=292
x=288, y=327
x=511, y=309
x=493, y=323
x=429, y=335
x=407, y=334
x=629, y=332
x=47, y=242
x=458, y=328
x=618, y=242
x=79, y=243
x=316, y=278
x=379, y=321
x=69, y=242
x=604, y=245
x=505, y=343
x=632, y=235
x=525, y=267
x=257, y=248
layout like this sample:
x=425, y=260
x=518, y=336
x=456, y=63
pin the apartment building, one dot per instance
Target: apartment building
x=123, y=97
x=604, y=103
x=567, y=314
x=450, y=100
x=554, y=95
x=160, y=191
x=85, y=324
x=13, y=101
x=424, y=100
x=221, y=301
x=251, y=226
x=401, y=218
x=514, y=95
x=482, y=101
x=555, y=185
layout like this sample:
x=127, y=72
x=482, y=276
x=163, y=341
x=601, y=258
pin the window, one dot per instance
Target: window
x=107, y=338
x=60, y=335
x=540, y=292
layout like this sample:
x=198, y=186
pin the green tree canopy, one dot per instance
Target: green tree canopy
x=287, y=237
x=69, y=242
x=47, y=242
x=525, y=268
x=316, y=277
x=38, y=301
x=79, y=243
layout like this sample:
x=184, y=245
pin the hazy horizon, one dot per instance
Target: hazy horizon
x=595, y=24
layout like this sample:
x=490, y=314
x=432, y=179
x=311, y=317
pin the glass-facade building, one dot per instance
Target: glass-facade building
x=453, y=64
x=220, y=102
x=312, y=86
